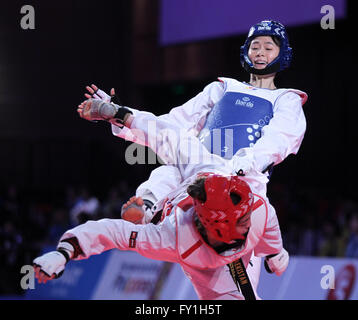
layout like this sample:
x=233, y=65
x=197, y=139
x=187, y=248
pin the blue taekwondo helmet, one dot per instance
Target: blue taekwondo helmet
x=267, y=28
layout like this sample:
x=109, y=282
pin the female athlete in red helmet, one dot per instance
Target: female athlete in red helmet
x=217, y=220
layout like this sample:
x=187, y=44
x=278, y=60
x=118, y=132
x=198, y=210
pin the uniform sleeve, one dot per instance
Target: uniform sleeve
x=190, y=116
x=271, y=240
x=161, y=182
x=152, y=241
x=282, y=136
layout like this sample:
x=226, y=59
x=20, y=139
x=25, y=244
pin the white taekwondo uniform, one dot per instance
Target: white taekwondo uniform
x=267, y=124
x=176, y=238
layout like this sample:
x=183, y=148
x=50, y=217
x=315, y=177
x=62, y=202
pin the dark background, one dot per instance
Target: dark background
x=45, y=147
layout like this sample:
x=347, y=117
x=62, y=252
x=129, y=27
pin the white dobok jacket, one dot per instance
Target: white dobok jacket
x=268, y=125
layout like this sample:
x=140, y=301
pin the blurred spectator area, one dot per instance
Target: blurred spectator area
x=56, y=168
x=314, y=222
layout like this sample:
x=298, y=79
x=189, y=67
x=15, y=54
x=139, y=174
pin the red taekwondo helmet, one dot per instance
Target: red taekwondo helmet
x=228, y=198
x=267, y=28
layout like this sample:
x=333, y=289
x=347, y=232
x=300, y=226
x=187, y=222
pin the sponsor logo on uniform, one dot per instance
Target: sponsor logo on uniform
x=244, y=102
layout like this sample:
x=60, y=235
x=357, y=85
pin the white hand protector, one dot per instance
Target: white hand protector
x=95, y=109
x=52, y=264
x=277, y=263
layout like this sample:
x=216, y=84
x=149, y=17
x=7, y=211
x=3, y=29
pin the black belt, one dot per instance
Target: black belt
x=241, y=279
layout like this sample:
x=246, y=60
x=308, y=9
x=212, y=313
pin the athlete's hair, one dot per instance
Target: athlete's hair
x=197, y=191
x=275, y=39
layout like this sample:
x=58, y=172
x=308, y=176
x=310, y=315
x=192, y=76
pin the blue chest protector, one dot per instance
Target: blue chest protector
x=235, y=122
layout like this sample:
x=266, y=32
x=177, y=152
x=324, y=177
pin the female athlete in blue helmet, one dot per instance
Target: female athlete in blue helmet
x=271, y=37
x=255, y=124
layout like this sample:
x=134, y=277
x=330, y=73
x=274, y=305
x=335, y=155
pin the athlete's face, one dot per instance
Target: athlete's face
x=262, y=51
x=243, y=224
x=242, y=228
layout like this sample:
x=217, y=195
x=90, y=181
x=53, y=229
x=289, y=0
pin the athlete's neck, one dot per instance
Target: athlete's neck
x=263, y=81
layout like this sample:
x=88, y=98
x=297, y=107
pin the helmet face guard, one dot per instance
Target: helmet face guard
x=267, y=28
x=228, y=198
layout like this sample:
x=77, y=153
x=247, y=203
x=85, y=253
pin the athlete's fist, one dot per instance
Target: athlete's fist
x=277, y=263
x=49, y=266
x=134, y=210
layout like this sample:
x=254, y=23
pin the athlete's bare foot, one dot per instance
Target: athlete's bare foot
x=133, y=211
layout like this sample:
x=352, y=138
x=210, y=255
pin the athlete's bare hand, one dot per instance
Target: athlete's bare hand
x=96, y=93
